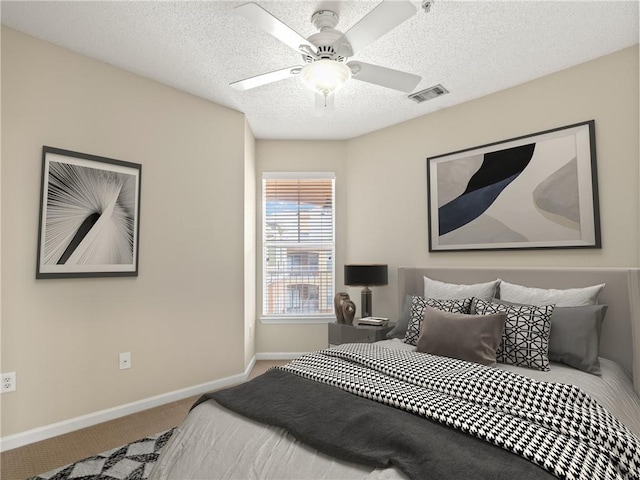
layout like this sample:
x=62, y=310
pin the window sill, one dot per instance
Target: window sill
x=306, y=320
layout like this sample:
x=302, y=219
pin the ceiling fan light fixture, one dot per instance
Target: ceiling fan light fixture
x=325, y=76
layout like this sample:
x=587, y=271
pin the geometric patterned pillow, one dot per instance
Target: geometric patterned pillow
x=525, y=341
x=416, y=314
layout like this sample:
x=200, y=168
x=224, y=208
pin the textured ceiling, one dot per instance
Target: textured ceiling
x=472, y=48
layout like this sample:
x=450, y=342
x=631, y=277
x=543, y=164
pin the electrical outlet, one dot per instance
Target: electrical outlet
x=8, y=382
x=125, y=360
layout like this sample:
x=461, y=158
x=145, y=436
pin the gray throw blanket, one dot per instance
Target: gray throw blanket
x=491, y=413
x=358, y=430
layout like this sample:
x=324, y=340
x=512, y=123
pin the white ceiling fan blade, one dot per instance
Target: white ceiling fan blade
x=385, y=77
x=383, y=18
x=265, y=78
x=263, y=19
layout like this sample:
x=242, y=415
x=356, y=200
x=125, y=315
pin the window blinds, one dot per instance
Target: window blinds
x=298, y=241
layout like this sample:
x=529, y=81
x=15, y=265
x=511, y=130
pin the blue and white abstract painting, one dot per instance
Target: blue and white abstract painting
x=531, y=192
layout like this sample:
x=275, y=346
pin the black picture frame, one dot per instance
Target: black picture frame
x=89, y=222
x=534, y=191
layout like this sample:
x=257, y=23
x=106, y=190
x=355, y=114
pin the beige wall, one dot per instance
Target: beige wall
x=394, y=161
x=300, y=156
x=3, y=371
x=182, y=317
x=384, y=208
x=250, y=206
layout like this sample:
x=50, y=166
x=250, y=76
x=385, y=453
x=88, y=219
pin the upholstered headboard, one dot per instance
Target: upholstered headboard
x=620, y=340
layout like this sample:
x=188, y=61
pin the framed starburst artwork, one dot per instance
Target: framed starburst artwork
x=89, y=216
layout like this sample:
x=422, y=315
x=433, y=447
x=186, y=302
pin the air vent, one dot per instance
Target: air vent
x=428, y=93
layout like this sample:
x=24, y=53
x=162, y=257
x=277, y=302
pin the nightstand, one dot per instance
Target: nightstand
x=343, y=333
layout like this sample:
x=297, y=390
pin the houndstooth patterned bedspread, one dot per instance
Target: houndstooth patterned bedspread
x=556, y=426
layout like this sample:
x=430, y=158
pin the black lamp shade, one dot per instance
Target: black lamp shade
x=365, y=275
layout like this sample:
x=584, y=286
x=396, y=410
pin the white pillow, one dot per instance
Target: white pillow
x=455, y=291
x=570, y=297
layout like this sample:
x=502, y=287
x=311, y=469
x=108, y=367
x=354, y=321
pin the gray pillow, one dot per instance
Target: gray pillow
x=474, y=338
x=401, y=325
x=416, y=316
x=575, y=336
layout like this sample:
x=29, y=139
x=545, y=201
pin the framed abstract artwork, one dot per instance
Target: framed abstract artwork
x=89, y=216
x=534, y=191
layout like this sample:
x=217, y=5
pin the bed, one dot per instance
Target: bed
x=385, y=411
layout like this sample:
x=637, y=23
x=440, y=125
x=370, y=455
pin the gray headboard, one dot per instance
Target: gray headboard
x=620, y=339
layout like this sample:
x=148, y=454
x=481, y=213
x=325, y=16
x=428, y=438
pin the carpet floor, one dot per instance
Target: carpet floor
x=133, y=461
x=51, y=454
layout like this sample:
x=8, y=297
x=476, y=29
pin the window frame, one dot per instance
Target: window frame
x=304, y=318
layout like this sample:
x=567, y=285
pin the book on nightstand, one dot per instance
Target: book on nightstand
x=373, y=321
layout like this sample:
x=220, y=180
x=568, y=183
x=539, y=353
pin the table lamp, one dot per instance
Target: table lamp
x=365, y=276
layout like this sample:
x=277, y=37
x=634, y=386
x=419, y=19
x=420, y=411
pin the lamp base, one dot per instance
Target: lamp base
x=366, y=301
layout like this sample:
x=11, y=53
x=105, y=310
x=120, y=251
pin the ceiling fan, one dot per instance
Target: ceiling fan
x=325, y=53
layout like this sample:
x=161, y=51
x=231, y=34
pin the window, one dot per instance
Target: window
x=298, y=244
x=303, y=298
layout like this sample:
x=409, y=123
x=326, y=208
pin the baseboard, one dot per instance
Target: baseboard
x=53, y=430
x=279, y=355
x=249, y=367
